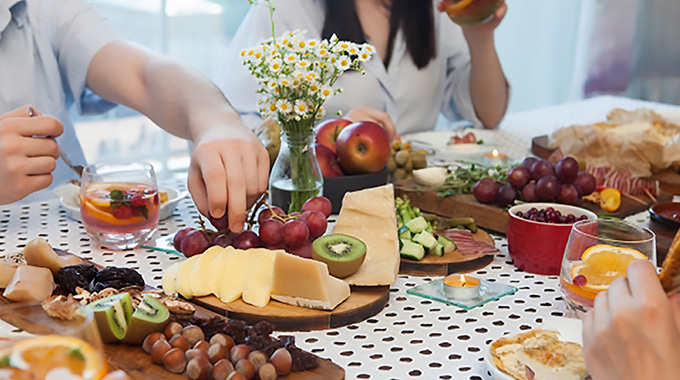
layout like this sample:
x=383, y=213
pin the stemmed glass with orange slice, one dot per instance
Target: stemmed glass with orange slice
x=597, y=253
x=50, y=348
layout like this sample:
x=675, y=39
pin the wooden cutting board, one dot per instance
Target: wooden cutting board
x=452, y=262
x=364, y=302
x=489, y=216
x=669, y=179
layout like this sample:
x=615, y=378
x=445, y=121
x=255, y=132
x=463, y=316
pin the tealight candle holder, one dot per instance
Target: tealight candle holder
x=495, y=158
x=461, y=287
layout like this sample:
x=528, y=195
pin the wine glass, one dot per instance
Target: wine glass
x=597, y=253
x=50, y=348
x=119, y=203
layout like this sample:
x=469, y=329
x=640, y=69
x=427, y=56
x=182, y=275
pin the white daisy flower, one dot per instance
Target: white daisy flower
x=303, y=64
x=326, y=92
x=314, y=88
x=275, y=65
x=284, y=106
x=343, y=63
x=301, y=107
x=285, y=81
x=299, y=74
x=319, y=113
x=364, y=55
x=291, y=58
x=313, y=43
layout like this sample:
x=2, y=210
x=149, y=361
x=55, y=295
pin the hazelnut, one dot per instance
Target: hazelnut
x=257, y=358
x=198, y=368
x=202, y=345
x=193, y=353
x=236, y=376
x=246, y=368
x=174, y=361
x=267, y=372
x=217, y=352
x=238, y=352
x=172, y=329
x=222, y=369
x=194, y=334
x=282, y=361
x=224, y=340
x=150, y=340
x=179, y=341
x=158, y=350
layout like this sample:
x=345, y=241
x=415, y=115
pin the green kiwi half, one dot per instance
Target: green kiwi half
x=343, y=254
x=113, y=315
x=151, y=316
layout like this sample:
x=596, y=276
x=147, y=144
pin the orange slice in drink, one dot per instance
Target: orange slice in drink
x=603, y=263
x=46, y=353
x=106, y=216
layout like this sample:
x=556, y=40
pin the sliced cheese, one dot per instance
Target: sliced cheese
x=216, y=265
x=369, y=216
x=170, y=276
x=306, y=283
x=183, y=275
x=234, y=271
x=259, y=286
x=201, y=273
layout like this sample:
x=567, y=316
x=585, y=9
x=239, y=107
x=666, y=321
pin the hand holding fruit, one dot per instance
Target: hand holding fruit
x=229, y=170
x=376, y=116
x=471, y=15
x=26, y=161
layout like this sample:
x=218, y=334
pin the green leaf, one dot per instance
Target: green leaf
x=4, y=362
x=117, y=195
x=76, y=354
x=480, y=142
x=144, y=211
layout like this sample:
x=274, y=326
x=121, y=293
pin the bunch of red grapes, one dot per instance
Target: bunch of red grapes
x=549, y=215
x=538, y=180
x=277, y=230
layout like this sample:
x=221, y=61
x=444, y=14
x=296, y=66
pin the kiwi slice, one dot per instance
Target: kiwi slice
x=343, y=254
x=151, y=316
x=112, y=314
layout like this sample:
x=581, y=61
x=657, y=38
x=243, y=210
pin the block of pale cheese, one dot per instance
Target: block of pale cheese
x=259, y=286
x=306, y=283
x=369, y=216
x=30, y=284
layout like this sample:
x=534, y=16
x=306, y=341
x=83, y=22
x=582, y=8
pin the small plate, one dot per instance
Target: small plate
x=570, y=330
x=437, y=142
x=667, y=213
x=70, y=200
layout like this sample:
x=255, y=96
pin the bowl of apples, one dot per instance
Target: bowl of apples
x=352, y=156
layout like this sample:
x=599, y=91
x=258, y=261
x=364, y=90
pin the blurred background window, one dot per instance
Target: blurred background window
x=552, y=52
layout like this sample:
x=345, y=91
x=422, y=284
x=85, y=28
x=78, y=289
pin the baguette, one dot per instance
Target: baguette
x=670, y=269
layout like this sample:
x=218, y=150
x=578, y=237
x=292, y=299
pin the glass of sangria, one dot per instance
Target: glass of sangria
x=119, y=203
x=597, y=253
x=50, y=348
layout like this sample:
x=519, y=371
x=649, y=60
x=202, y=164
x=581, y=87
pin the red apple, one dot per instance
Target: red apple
x=328, y=161
x=363, y=147
x=327, y=132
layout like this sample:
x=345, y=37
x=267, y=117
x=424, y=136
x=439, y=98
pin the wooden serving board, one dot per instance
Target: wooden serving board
x=452, y=262
x=137, y=363
x=669, y=179
x=490, y=216
x=364, y=302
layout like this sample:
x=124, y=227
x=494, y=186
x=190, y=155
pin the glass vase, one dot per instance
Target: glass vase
x=296, y=174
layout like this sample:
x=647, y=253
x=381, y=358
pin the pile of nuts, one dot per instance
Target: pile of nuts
x=185, y=350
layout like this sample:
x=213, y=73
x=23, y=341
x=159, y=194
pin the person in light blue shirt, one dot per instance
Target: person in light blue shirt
x=425, y=64
x=55, y=54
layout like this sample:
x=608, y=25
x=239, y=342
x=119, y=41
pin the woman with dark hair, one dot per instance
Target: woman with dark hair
x=425, y=64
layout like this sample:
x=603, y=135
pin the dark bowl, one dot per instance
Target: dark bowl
x=666, y=213
x=334, y=188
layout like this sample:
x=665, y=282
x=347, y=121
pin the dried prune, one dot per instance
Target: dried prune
x=236, y=330
x=117, y=278
x=263, y=328
x=80, y=275
x=210, y=326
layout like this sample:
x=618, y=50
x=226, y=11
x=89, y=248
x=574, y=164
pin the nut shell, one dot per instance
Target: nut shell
x=158, y=350
x=150, y=339
x=174, y=361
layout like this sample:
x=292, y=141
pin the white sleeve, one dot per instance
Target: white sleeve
x=79, y=32
x=457, y=101
x=235, y=81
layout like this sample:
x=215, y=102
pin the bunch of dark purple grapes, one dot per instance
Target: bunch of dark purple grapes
x=549, y=215
x=292, y=232
x=538, y=180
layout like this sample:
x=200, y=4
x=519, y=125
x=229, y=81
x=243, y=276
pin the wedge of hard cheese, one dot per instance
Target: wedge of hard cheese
x=369, y=216
x=306, y=283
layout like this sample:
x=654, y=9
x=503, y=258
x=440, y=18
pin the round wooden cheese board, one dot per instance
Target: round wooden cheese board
x=452, y=262
x=364, y=302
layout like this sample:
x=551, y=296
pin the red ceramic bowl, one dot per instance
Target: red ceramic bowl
x=538, y=247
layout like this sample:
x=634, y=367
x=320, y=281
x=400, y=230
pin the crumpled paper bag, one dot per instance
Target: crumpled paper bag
x=641, y=141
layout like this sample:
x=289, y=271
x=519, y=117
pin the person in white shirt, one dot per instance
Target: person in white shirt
x=55, y=54
x=425, y=64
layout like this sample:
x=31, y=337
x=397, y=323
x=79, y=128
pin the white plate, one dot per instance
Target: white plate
x=437, y=143
x=569, y=328
x=70, y=200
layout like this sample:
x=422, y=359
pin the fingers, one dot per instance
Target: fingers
x=39, y=146
x=644, y=281
x=374, y=115
x=675, y=307
x=40, y=165
x=252, y=174
x=501, y=11
x=236, y=185
x=20, y=112
x=197, y=188
x=263, y=170
x=40, y=126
